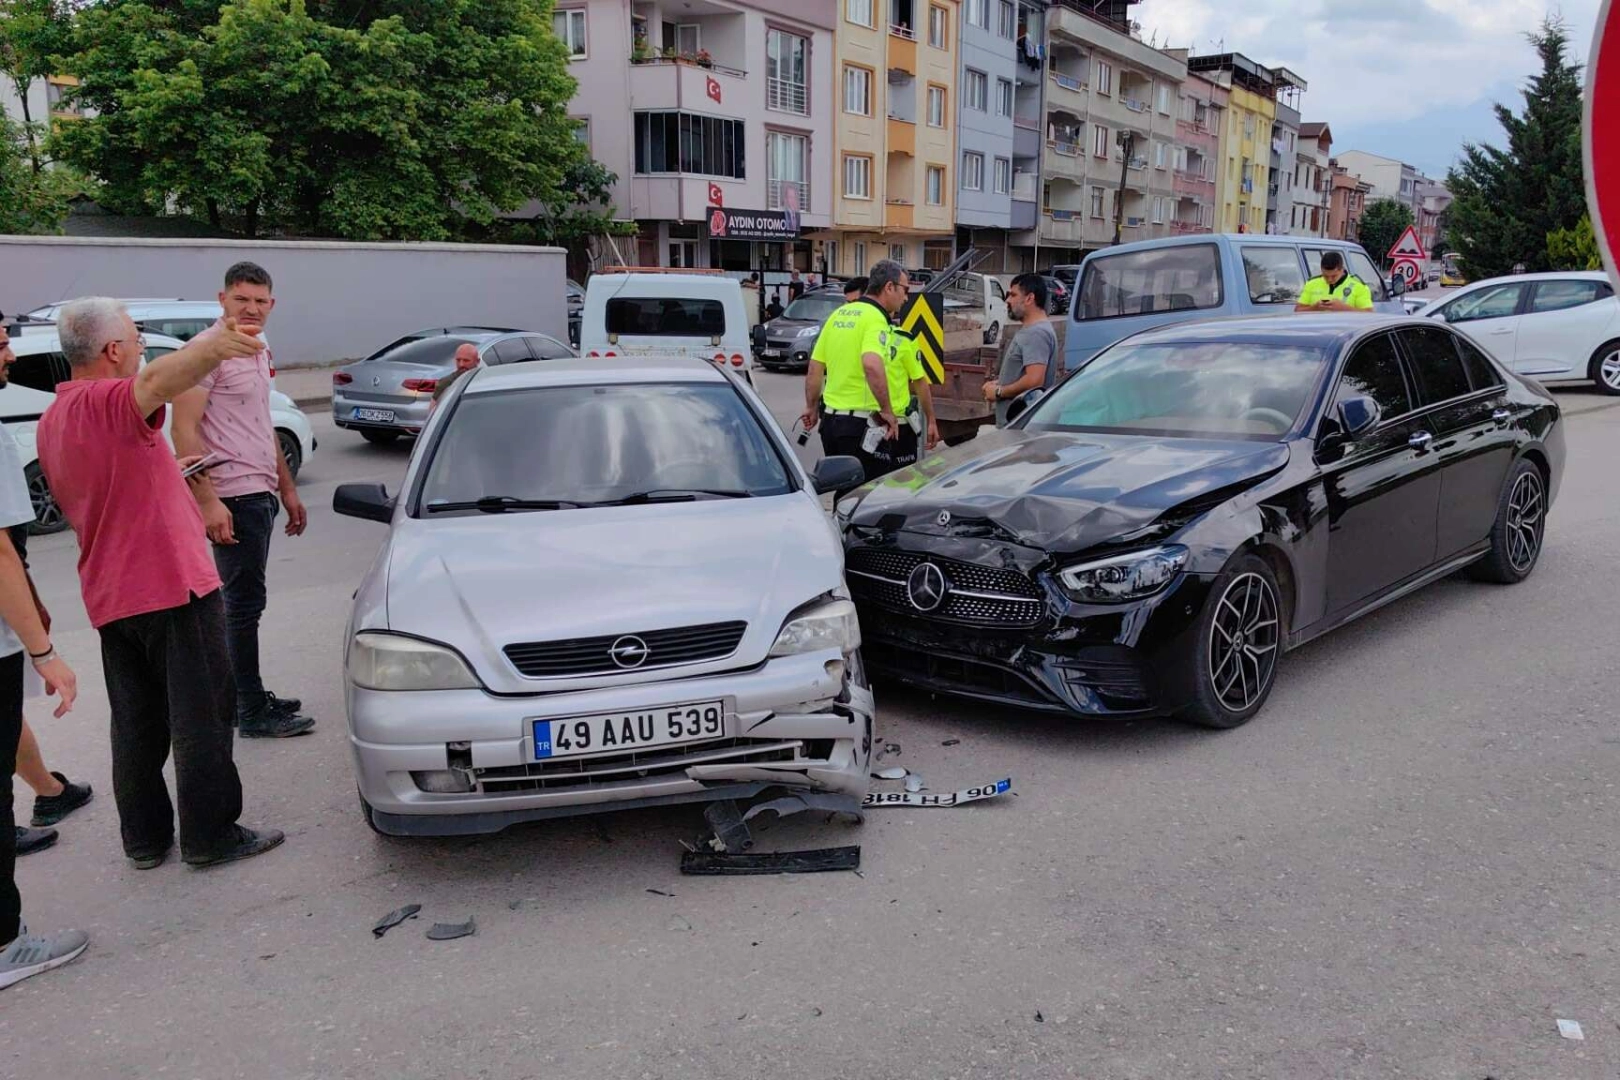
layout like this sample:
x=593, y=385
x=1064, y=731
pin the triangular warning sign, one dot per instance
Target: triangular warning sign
x=1408, y=245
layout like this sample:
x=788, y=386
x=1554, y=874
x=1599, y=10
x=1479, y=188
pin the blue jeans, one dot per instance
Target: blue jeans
x=242, y=574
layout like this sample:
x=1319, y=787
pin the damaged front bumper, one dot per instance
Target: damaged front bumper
x=456, y=762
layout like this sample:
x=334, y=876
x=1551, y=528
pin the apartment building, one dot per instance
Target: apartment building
x=1312, y=181
x=1242, y=180
x=1110, y=113
x=1284, y=143
x=727, y=157
x=1432, y=201
x=1387, y=177
x=896, y=134
x=1200, y=119
x=1347, y=202
x=48, y=100
x=987, y=82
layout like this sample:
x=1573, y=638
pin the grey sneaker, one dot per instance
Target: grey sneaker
x=31, y=954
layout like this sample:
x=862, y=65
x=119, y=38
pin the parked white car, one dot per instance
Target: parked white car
x=31, y=388
x=666, y=314
x=178, y=319
x=1551, y=327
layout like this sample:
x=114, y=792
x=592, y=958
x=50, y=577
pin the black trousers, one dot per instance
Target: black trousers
x=842, y=435
x=169, y=685
x=11, y=717
x=242, y=573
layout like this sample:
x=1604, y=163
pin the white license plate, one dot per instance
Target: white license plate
x=381, y=416
x=770, y=352
x=618, y=733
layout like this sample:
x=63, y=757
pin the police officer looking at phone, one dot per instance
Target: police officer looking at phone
x=847, y=385
x=1334, y=289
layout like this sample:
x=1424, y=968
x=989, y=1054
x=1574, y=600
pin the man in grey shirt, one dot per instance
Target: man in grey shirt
x=1032, y=359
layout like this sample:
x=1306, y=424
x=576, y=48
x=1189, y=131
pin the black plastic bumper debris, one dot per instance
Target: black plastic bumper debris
x=394, y=918
x=449, y=931
x=817, y=861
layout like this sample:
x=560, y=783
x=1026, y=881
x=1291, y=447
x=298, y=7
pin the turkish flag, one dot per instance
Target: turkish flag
x=712, y=88
x=715, y=195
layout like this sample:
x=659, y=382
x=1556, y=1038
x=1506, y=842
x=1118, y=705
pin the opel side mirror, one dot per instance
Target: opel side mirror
x=369, y=501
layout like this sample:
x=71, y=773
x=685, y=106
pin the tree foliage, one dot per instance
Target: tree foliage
x=1576, y=248
x=31, y=200
x=360, y=119
x=580, y=211
x=1509, y=202
x=1382, y=223
x=31, y=33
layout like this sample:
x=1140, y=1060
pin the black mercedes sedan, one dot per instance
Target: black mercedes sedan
x=1152, y=535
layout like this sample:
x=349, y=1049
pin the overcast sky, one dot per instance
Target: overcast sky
x=1410, y=79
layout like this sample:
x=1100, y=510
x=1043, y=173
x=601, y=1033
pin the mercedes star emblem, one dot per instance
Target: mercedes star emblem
x=376, y=380
x=926, y=587
x=629, y=651
x=944, y=518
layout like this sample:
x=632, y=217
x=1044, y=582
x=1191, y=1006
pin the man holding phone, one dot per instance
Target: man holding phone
x=227, y=417
x=1334, y=289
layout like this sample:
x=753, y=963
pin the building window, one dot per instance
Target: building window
x=1003, y=175
x=897, y=252
x=1158, y=209
x=936, y=185
x=972, y=171
x=582, y=131
x=675, y=142
x=569, y=26
x=1161, y=155
x=978, y=13
x=1007, y=24
x=1103, y=83
x=1096, y=202
x=938, y=20
x=976, y=90
x=860, y=257
x=858, y=11
x=936, y=106
x=787, y=72
x=1163, y=90
x=787, y=172
x=1004, y=97
x=858, y=185
x=1099, y=140
x=857, y=90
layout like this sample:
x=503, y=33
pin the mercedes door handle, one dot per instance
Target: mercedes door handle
x=1502, y=330
x=1502, y=416
x=1420, y=440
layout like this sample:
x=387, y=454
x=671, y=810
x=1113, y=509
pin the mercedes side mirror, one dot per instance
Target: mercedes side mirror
x=1357, y=415
x=837, y=474
x=369, y=501
x=1024, y=402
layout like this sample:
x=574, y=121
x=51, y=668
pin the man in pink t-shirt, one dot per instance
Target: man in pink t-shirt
x=228, y=415
x=149, y=586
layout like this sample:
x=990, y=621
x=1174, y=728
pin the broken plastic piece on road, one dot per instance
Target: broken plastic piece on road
x=914, y=782
x=950, y=742
x=394, y=918
x=800, y=801
x=955, y=798
x=1571, y=1029
x=1039, y=1019
x=660, y=892
x=779, y=862
x=449, y=931
x=893, y=772
x=730, y=834
x=680, y=923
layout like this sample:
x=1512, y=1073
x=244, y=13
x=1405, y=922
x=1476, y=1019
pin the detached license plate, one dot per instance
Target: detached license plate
x=671, y=725
x=381, y=416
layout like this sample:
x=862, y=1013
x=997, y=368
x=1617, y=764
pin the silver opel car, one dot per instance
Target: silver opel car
x=606, y=584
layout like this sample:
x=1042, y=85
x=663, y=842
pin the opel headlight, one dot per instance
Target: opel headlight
x=823, y=624
x=379, y=661
x=809, y=331
x=1124, y=577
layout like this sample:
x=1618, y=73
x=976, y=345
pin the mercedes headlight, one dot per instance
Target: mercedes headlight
x=809, y=331
x=1124, y=577
x=379, y=661
x=822, y=624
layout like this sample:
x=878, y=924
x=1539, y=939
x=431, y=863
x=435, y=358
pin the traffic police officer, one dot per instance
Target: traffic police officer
x=847, y=388
x=1334, y=289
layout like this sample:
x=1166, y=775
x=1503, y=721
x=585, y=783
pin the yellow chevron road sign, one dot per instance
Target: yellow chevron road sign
x=923, y=318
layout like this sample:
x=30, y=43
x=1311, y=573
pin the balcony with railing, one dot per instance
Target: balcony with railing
x=1192, y=183
x=1186, y=226
x=787, y=95
x=714, y=39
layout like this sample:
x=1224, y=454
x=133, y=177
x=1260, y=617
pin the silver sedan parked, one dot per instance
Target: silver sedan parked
x=606, y=584
x=390, y=392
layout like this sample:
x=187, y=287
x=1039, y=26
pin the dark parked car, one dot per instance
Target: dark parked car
x=1153, y=534
x=785, y=343
x=1058, y=298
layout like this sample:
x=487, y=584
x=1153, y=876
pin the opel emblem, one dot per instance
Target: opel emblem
x=376, y=380
x=944, y=518
x=926, y=587
x=629, y=652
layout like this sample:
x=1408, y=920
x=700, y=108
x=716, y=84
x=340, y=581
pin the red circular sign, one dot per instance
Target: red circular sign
x=717, y=222
x=1602, y=136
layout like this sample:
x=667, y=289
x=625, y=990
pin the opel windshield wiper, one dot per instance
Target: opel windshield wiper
x=676, y=495
x=499, y=504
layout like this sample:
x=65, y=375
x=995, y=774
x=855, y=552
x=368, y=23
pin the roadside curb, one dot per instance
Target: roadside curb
x=313, y=402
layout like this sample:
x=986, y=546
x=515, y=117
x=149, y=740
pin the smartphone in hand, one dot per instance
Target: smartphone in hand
x=206, y=462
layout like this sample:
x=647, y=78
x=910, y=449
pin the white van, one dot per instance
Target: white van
x=637, y=311
x=982, y=293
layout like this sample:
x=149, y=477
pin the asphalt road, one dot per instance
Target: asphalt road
x=1405, y=867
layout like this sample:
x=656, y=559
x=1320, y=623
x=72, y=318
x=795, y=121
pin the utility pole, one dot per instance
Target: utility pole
x=1127, y=143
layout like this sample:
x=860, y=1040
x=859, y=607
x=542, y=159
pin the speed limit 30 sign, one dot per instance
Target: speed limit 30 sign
x=1601, y=136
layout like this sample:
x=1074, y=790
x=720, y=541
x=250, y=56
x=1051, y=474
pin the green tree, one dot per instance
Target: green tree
x=1575, y=249
x=31, y=33
x=1381, y=225
x=383, y=120
x=31, y=201
x=1508, y=202
x=581, y=212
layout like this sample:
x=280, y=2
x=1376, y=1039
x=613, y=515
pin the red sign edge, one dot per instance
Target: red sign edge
x=1610, y=77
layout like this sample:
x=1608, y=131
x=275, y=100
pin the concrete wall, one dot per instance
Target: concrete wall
x=334, y=301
